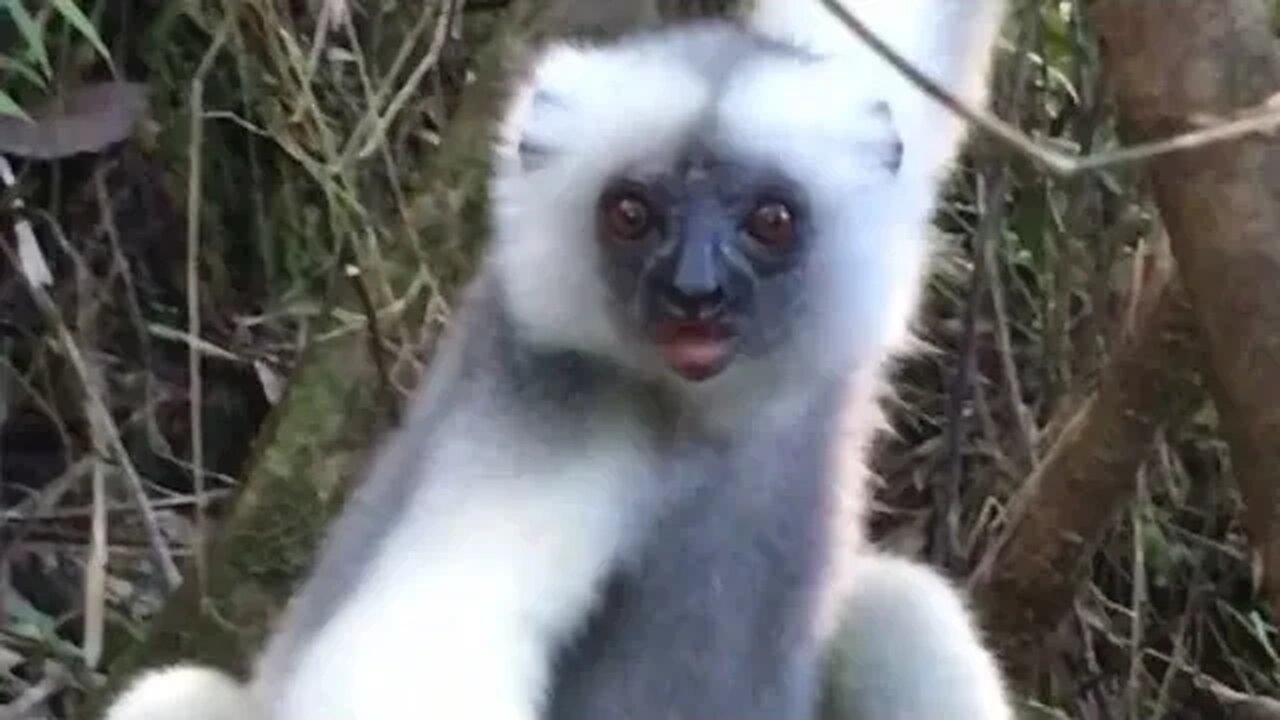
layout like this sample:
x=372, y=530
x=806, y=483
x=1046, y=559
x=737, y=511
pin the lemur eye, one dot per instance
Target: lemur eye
x=628, y=216
x=772, y=225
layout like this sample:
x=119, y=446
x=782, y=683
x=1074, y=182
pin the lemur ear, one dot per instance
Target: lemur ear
x=869, y=139
x=535, y=146
x=572, y=104
x=539, y=107
x=884, y=141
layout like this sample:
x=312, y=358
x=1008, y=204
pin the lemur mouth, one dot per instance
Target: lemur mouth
x=696, y=351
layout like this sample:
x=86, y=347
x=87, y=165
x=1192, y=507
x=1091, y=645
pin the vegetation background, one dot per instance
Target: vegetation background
x=231, y=229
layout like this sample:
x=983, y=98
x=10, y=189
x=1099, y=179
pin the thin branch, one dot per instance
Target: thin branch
x=362, y=142
x=1027, y=578
x=195, y=392
x=1264, y=119
x=1138, y=597
x=376, y=345
x=98, y=413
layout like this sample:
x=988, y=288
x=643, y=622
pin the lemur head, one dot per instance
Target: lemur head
x=699, y=203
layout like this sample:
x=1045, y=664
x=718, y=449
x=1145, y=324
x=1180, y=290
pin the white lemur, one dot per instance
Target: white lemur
x=621, y=491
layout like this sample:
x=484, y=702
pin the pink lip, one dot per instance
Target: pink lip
x=695, y=350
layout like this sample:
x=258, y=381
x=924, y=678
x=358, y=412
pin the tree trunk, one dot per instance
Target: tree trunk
x=1028, y=578
x=1174, y=65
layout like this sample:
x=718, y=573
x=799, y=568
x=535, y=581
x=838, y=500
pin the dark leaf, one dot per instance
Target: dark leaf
x=87, y=119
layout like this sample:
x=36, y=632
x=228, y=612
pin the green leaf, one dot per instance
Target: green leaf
x=31, y=32
x=23, y=70
x=74, y=15
x=11, y=108
x=26, y=621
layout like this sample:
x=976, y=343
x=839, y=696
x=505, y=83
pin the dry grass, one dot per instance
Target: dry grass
x=190, y=268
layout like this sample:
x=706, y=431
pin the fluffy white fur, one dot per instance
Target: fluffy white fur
x=906, y=644
x=497, y=560
x=950, y=41
x=907, y=649
x=184, y=691
x=574, y=107
x=808, y=119
x=500, y=554
x=840, y=148
x=821, y=121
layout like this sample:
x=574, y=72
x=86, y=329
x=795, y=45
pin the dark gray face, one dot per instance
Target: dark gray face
x=704, y=259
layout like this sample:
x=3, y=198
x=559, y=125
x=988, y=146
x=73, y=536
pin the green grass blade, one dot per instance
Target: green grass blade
x=11, y=108
x=31, y=33
x=22, y=70
x=74, y=15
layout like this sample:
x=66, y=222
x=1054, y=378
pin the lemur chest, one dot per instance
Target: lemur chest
x=712, y=615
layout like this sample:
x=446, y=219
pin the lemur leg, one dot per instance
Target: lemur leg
x=907, y=649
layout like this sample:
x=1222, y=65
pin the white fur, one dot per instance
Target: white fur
x=497, y=560
x=543, y=218
x=498, y=557
x=868, y=265
x=906, y=645
x=501, y=551
x=183, y=692
x=949, y=41
x=601, y=109
x=907, y=649
x=811, y=119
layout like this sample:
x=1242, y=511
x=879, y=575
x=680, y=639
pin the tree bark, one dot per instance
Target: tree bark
x=1027, y=579
x=1175, y=64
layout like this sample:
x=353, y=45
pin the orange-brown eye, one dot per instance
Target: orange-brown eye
x=772, y=225
x=628, y=216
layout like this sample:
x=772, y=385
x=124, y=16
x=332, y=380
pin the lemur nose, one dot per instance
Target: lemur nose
x=697, y=305
x=697, y=270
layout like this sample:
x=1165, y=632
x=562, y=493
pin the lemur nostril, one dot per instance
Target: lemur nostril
x=693, y=306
